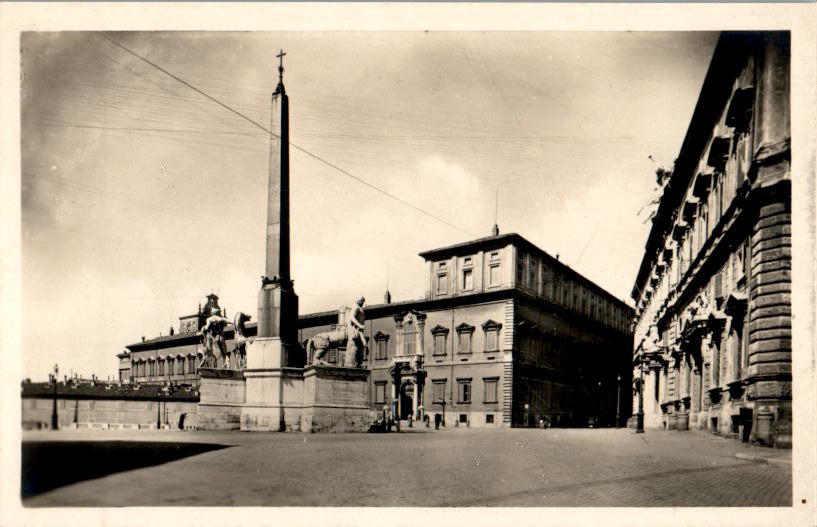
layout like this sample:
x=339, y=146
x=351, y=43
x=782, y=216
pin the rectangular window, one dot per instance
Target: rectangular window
x=533, y=278
x=521, y=278
x=180, y=366
x=464, y=391
x=467, y=279
x=161, y=367
x=439, y=343
x=493, y=275
x=191, y=365
x=409, y=343
x=151, y=368
x=465, y=342
x=380, y=392
x=442, y=284
x=439, y=391
x=381, y=349
x=492, y=339
x=463, y=418
x=490, y=392
x=170, y=363
x=489, y=419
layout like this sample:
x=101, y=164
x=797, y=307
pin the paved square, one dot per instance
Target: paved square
x=461, y=467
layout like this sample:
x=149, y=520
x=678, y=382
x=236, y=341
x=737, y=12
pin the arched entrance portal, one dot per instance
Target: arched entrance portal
x=406, y=400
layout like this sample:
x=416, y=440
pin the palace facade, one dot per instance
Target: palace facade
x=712, y=337
x=506, y=335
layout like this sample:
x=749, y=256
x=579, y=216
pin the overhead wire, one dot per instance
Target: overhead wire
x=271, y=133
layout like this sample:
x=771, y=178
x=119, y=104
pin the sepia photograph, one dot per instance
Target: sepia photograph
x=421, y=269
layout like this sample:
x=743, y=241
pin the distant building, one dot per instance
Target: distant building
x=506, y=335
x=713, y=294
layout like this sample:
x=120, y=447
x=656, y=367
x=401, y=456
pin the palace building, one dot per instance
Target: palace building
x=712, y=333
x=506, y=335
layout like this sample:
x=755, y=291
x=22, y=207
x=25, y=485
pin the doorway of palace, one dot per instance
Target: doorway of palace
x=406, y=400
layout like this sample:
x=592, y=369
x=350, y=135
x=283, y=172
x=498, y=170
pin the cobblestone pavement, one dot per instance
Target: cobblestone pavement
x=517, y=467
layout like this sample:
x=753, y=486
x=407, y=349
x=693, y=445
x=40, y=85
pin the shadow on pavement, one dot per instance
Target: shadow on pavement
x=47, y=465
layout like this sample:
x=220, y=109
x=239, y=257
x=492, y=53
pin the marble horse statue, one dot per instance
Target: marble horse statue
x=241, y=340
x=348, y=333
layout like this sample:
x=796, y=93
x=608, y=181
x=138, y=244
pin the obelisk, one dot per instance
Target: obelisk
x=274, y=357
x=277, y=301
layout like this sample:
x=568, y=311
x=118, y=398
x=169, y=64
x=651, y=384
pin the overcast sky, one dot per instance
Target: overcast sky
x=141, y=196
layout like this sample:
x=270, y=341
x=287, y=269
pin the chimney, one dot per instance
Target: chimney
x=387, y=297
x=495, y=230
x=143, y=338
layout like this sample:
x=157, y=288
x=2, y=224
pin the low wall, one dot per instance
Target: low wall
x=107, y=413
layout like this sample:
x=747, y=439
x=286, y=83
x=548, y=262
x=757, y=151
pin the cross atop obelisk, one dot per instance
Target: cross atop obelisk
x=281, y=56
x=277, y=302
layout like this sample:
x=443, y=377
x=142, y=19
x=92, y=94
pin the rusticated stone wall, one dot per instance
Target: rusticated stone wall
x=770, y=337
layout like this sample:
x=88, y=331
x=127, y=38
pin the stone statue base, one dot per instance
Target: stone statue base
x=221, y=394
x=336, y=399
x=270, y=397
x=274, y=393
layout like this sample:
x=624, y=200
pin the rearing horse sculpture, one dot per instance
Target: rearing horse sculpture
x=241, y=340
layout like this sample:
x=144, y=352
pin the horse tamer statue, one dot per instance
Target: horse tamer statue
x=348, y=333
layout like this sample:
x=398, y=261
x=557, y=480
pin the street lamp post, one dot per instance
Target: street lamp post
x=639, y=416
x=618, y=400
x=55, y=425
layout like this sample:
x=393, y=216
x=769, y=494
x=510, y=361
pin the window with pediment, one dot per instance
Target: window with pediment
x=465, y=333
x=381, y=343
x=491, y=329
x=440, y=336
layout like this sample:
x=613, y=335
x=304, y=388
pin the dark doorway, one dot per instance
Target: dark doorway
x=406, y=400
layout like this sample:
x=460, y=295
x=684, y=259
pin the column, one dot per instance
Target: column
x=662, y=392
x=716, y=363
x=734, y=351
x=415, y=400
